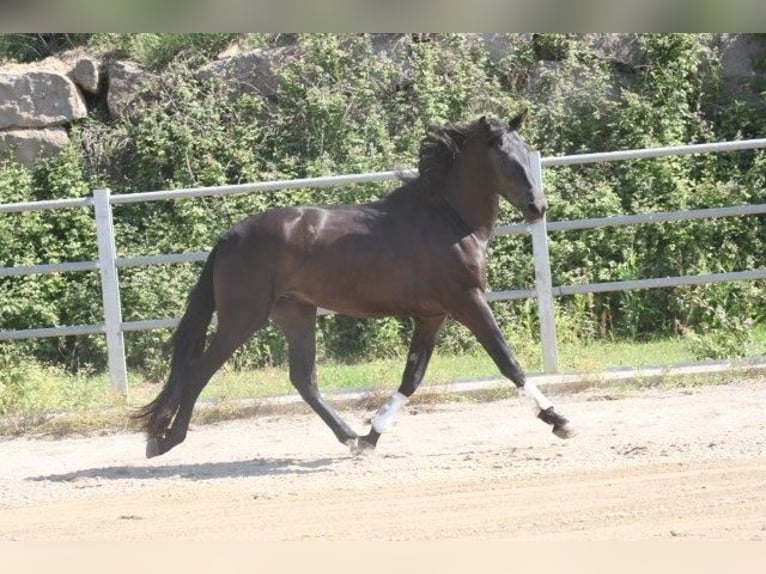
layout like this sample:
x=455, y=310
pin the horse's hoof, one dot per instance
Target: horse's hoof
x=562, y=428
x=353, y=446
x=365, y=447
x=565, y=430
x=360, y=447
x=153, y=447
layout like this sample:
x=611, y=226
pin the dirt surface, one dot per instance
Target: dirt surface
x=660, y=464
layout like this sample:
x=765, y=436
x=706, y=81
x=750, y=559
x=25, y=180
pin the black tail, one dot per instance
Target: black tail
x=188, y=343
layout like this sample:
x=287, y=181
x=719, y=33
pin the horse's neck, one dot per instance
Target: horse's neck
x=471, y=196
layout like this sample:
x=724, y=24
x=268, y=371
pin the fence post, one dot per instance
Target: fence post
x=110, y=291
x=543, y=282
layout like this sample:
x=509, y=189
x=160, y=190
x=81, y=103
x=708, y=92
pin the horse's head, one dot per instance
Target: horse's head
x=510, y=167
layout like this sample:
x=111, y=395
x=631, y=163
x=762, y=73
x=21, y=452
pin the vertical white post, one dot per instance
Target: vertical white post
x=543, y=282
x=110, y=291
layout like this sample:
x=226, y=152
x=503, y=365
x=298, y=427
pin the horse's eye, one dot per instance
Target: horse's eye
x=496, y=140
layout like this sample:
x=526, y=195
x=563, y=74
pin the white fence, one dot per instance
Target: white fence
x=108, y=262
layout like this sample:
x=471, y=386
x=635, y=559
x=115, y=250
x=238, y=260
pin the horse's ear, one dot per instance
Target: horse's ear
x=516, y=122
x=485, y=129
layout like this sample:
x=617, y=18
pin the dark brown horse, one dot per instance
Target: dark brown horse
x=419, y=252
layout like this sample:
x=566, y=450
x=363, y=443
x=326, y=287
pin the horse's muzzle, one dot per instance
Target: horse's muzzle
x=535, y=210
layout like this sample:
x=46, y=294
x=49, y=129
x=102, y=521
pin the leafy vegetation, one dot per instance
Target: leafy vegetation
x=343, y=108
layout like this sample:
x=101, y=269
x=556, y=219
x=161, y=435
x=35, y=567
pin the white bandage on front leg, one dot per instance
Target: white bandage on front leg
x=385, y=415
x=539, y=400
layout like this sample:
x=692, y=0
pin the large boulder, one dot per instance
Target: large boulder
x=37, y=99
x=739, y=55
x=251, y=72
x=128, y=84
x=28, y=145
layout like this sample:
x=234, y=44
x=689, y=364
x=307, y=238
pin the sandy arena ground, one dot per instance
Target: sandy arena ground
x=660, y=464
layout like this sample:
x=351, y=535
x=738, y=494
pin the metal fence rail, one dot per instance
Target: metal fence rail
x=108, y=263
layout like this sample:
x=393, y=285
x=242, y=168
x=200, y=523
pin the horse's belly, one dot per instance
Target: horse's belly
x=377, y=298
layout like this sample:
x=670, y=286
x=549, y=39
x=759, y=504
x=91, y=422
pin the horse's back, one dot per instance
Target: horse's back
x=388, y=257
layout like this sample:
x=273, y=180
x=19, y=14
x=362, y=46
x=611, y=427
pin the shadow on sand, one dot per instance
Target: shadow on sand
x=194, y=472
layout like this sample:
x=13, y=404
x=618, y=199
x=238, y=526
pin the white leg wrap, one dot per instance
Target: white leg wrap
x=539, y=400
x=385, y=415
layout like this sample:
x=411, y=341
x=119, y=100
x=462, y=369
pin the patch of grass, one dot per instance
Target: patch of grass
x=385, y=374
x=600, y=355
x=35, y=389
x=52, y=401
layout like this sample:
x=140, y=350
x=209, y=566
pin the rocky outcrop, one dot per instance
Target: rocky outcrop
x=36, y=102
x=40, y=100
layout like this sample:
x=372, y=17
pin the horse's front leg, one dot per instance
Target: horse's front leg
x=421, y=348
x=473, y=311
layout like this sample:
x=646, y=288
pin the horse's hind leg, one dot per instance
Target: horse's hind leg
x=228, y=337
x=199, y=373
x=418, y=356
x=298, y=322
x=242, y=307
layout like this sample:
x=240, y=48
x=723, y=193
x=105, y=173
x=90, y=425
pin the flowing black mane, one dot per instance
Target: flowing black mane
x=440, y=148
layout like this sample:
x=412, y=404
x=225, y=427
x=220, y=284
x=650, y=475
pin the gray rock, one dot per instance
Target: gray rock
x=618, y=48
x=253, y=71
x=86, y=74
x=128, y=84
x=28, y=145
x=739, y=52
x=38, y=99
x=502, y=45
